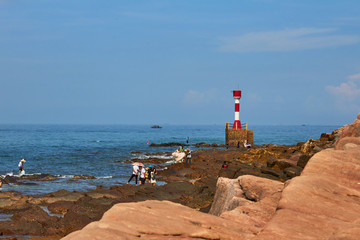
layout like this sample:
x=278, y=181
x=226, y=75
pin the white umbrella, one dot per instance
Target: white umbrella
x=138, y=164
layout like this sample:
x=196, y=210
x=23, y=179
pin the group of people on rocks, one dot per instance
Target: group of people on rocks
x=187, y=153
x=143, y=174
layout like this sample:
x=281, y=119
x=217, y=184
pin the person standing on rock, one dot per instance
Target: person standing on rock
x=134, y=174
x=21, y=165
x=141, y=175
x=188, y=156
x=151, y=175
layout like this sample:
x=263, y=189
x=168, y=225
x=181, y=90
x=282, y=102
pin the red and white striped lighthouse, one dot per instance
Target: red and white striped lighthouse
x=237, y=96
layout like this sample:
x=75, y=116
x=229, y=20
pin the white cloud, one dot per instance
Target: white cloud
x=287, y=40
x=347, y=94
x=348, y=90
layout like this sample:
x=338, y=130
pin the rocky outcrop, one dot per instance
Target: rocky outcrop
x=159, y=220
x=351, y=130
x=324, y=202
x=250, y=201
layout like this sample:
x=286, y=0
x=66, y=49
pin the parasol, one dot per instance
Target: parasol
x=138, y=164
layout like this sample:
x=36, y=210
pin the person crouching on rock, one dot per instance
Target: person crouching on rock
x=21, y=165
x=134, y=174
x=142, y=175
x=225, y=165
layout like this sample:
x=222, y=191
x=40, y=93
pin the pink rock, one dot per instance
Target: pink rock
x=158, y=220
x=323, y=203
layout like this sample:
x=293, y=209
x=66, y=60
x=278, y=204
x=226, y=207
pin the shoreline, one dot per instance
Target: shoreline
x=190, y=185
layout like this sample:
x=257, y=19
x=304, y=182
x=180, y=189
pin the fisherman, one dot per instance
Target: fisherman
x=21, y=165
x=134, y=174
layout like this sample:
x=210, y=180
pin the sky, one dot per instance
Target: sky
x=178, y=61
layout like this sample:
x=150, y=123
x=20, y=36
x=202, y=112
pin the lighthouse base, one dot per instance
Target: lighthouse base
x=237, y=124
x=237, y=137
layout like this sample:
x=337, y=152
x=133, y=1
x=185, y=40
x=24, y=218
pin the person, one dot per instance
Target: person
x=238, y=144
x=151, y=175
x=141, y=175
x=21, y=165
x=134, y=174
x=181, y=149
x=188, y=156
x=247, y=145
x=227, y=146
x=187, y=140
x=224, y=165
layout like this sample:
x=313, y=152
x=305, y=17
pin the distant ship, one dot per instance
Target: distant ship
x=156, y=126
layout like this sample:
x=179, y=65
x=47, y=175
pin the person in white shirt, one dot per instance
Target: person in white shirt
x=134, y=174
x=142, y=175
x=21, y=165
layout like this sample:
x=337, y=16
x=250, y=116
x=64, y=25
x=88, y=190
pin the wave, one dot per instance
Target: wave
x=106, y=177
x=144, y=156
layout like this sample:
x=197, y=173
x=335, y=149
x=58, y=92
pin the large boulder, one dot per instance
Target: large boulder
x=323, y=203
x=159, y=220
x=250, y=201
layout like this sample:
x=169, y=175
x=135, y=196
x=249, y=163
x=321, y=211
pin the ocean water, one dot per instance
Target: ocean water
x=100, y=150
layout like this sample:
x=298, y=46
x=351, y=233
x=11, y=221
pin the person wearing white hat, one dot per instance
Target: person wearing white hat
x=21, y=165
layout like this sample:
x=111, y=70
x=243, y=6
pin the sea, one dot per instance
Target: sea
x=104, y=151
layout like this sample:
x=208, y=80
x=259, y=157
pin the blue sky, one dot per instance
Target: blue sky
x=176, y=62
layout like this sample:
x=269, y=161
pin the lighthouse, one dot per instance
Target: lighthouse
x=237, y=96
x=235, y=135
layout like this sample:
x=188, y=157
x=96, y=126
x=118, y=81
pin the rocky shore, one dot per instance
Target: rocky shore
x=321, y=203
x=243, y=200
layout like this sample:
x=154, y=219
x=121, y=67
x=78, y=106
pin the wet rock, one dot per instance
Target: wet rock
x=9, y=179
x=77, y=177
x=39, y=177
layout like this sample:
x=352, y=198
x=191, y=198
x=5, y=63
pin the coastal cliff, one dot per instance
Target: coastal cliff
x=322, y=203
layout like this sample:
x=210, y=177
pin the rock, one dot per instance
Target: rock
x=293, y=171
x=77, y=177
x=228, y=196
x=303, y=160
x=323, y=203
x=351, y=130
x=40, y=177
x=280, y=164
x=121, y=222
x=347, y=143
x=326, y=137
